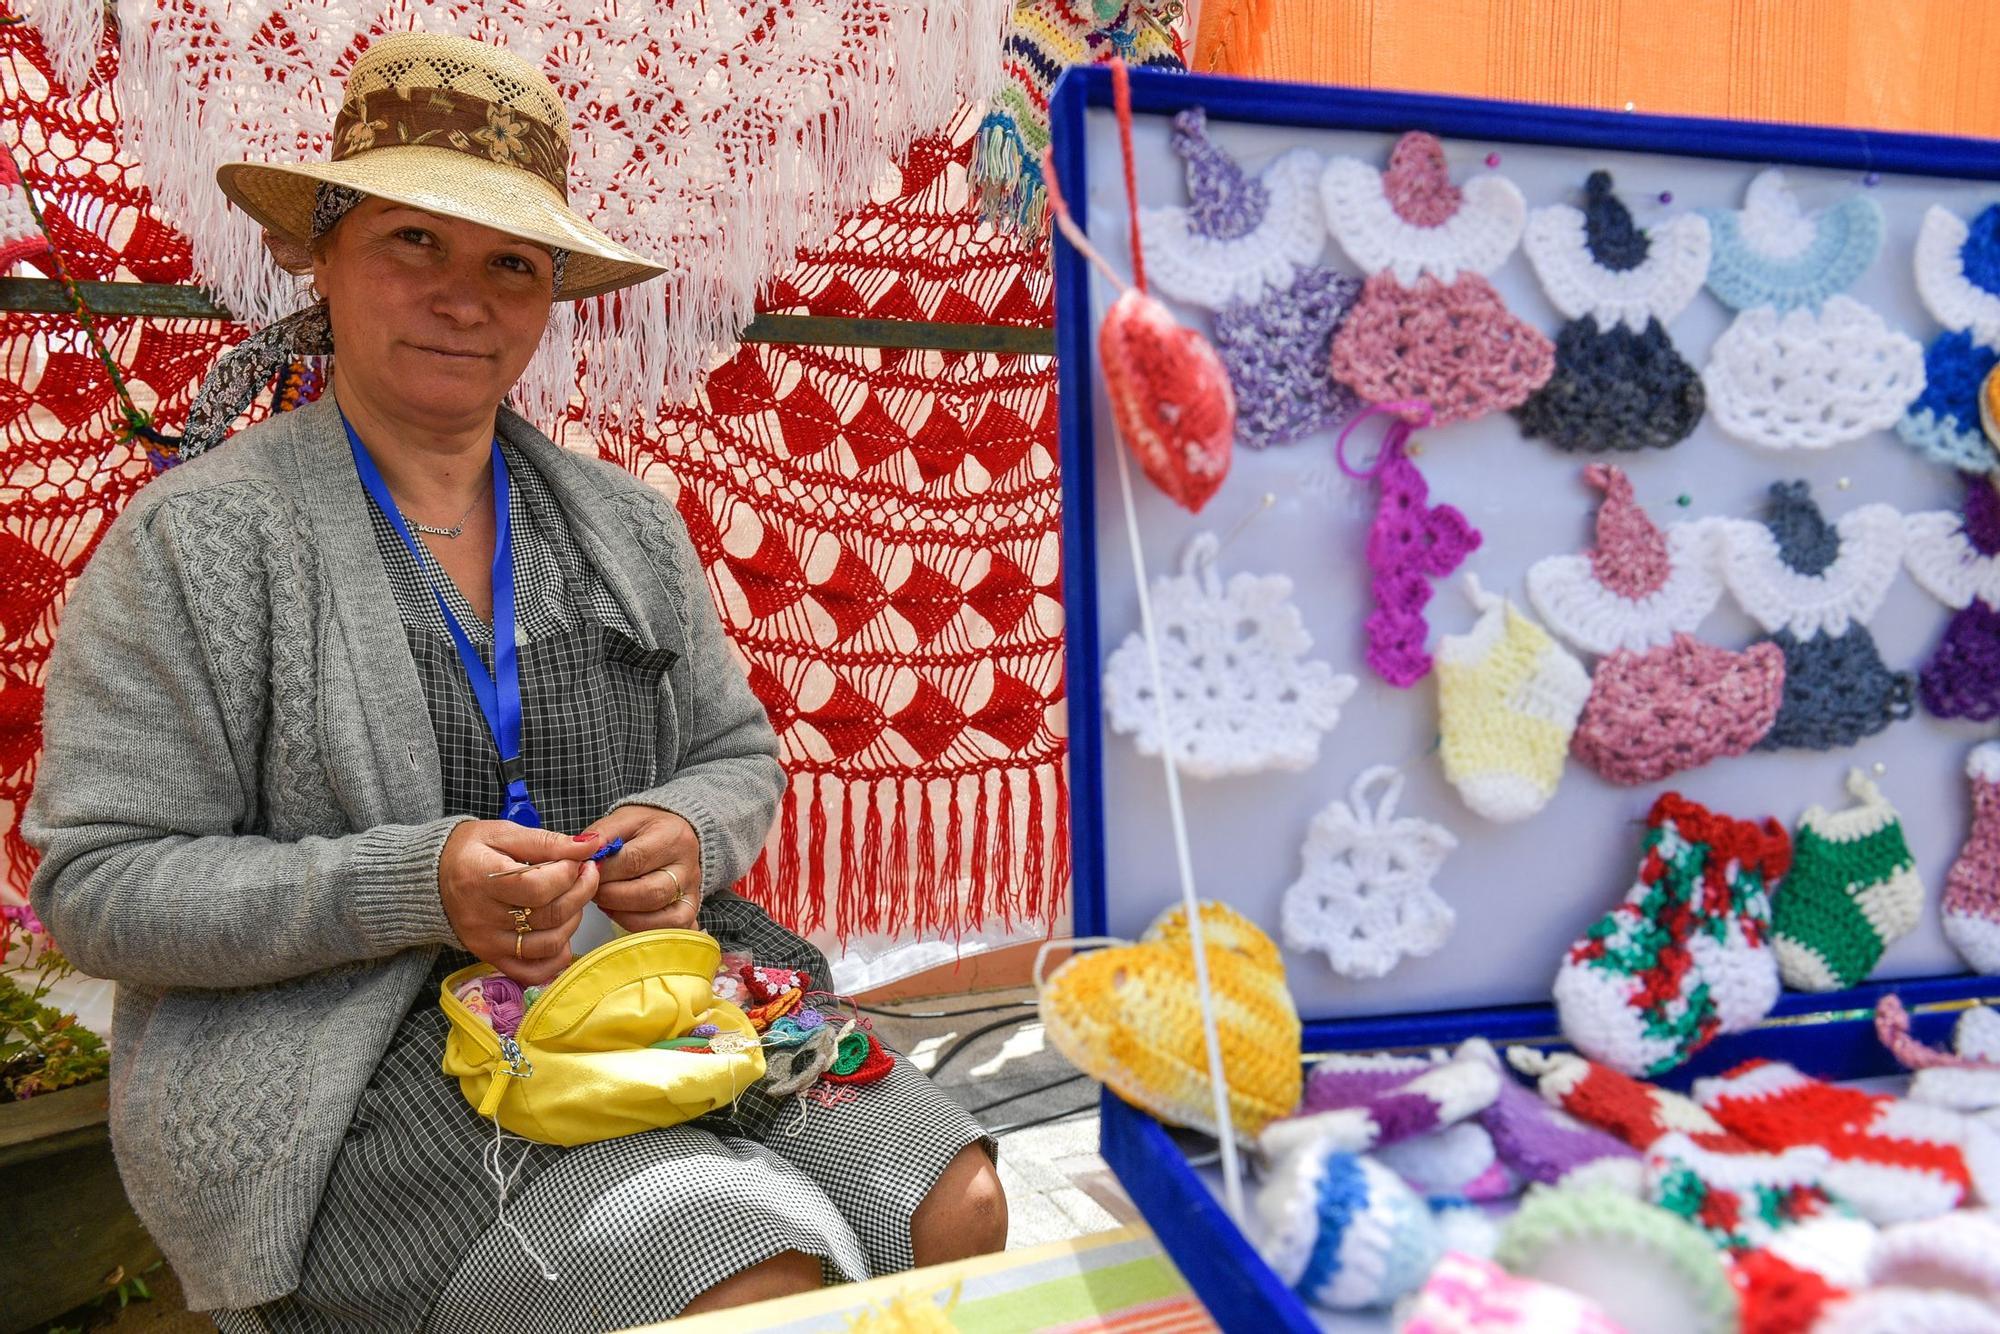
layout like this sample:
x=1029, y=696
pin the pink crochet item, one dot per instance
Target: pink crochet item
x=1169, y=392
x=1455, y=345
x=1466, y=1295
x=1410, y=543
x=1631, y=556
x=1417, y=184
x=1970, y=908
x=1655, y=714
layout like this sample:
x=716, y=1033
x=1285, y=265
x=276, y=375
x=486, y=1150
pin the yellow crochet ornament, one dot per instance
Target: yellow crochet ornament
x=1508, y=700
x=1130, y=1017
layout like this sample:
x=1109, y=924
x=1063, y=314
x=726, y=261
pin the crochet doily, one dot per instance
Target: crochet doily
x=1637, y=588
x=1773, y=252
x=1239, y=237
x=1808, y=380
x=1958, y=271
x=1365, y=896
x=1241, y=695
x=1595, y=261
x=1797, y=572
x=1412, y=220
x=1276, y=348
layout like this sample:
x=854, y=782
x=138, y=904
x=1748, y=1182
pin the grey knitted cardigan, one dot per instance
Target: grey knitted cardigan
x=240, y=812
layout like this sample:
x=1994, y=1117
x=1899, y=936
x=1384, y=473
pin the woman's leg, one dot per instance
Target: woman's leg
x=780, y=1276
x=964, y=1214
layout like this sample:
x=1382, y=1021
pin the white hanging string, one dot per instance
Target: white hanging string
x=502, y=1179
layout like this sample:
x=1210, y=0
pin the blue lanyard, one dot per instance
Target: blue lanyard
x=498, y=691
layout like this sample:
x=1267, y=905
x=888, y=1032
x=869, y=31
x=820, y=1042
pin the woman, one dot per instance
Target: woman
x=282, y=765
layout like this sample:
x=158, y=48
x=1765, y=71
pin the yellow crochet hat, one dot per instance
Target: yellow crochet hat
x=1130, y=1017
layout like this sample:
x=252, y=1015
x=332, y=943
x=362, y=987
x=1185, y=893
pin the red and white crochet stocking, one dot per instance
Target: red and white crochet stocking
x=1893, y=1159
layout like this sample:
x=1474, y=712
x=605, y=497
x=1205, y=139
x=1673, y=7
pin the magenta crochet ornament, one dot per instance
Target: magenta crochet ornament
x=1429, y=325
x=1411, y=543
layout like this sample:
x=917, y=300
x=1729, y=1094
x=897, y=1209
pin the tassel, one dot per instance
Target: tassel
x=924, y=909
x=756, y=886
x=1004, y=882
x=816, y=870
x=954, y=852
x=871, y=863
x=975, y=908
x=1059, y=871
x=899, y=888
x=1034, y=865
x=787, y=895
x=847, y=897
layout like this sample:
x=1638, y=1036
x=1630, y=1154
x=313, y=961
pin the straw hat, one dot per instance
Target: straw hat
x=457, y=128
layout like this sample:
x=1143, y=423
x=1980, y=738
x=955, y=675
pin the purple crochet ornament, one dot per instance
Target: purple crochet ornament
x=1962, y=678
x=1410, y=543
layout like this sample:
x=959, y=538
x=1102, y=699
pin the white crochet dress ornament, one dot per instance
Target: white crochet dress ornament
x=1242, y=697
x=1958, y=275
x=1365, y=896
x=1802, y=366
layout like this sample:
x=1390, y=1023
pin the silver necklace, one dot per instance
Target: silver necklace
x=456, y=529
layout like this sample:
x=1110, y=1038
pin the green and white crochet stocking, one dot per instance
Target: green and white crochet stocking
x=1853, y=891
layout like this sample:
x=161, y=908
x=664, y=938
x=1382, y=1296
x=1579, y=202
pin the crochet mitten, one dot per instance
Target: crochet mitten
x=1240, y=237
x=1971, y=903
x=1508, y=701
x=1956, y=559
x=1853, y=891
x=1464, y=1294
x=1652, y=1273
x=1739, y=1199
x=1242, y=696
x=1428, y=325
x=1618, y=382
x=1538, y=1143
x=1958, y=275
x=1893, y=1159
x=1815, y=585
x=1364, y=897
x=1343, y=1231
x=1687, y=954
x=1802, y=367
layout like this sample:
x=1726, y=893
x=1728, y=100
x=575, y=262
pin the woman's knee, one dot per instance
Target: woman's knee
x=782, y=1275
x=965, y=1212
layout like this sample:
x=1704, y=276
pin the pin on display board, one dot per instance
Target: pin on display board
x=1518, y=890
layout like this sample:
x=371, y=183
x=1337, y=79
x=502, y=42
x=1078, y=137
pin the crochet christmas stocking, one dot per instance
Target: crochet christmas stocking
x=1636, y=1112
x=1893, y=1159
x=1971, y=907
x=1853, y=890
x=1687, y=954
x=1508, y=700
x=1965, y=1079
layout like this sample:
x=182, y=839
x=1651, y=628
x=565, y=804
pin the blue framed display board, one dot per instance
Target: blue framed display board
x=1521, y=892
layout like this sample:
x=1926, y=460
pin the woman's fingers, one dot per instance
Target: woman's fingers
x=543, y=955
x=680, y=917
x=653, y=892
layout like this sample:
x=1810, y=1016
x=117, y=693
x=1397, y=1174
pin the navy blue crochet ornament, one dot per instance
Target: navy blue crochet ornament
x=1619, y=384
x=1815, y=585
x=1958, y=276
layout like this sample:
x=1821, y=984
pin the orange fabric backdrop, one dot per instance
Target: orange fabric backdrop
x=1888, y=64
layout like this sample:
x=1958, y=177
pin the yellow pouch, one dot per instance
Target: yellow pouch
x=582, y=1066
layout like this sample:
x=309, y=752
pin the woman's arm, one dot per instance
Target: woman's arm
x=141, y=801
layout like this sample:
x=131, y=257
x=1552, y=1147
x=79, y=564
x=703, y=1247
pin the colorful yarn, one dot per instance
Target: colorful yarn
x=1650, y=1272
x=1276, y=350
x=768, y=984
x=1970, y=908
x=1852, y=892
x=1687, y=954
x=1350, y=1107
x=1239, y=238
x=1655, y=714
x=1539, y=1144
x=1508, y=701
x=792, y=1070
x=1454, y=345
x=1893, y=1159
x=1638, y=588
x=858, y=1059
x=1777, y=1296
x=1635, y=1112
x=1466, y=1295
x=1943, y=423
x=497, y=999
x=1342, y=1230
x=1410, y=543
x=1130, y=1017
x=1740, y=1200
x=762, y=1016
x=1242, y=697
x=1364, y=897
x=1618, y=382
x=1774, y=253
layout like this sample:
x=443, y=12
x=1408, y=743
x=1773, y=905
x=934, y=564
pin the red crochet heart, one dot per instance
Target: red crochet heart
x=1170, y=398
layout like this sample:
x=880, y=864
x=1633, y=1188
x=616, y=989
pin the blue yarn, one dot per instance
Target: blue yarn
x=1943, y=424
x=1413, y=1247
x=1837, y=691
x=1979, y=256
x=1611, y=236
x=1343, y=1193
x=1807, y=543
x=1846, y=241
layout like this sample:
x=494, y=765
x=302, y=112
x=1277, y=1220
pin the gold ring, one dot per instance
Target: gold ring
x=522, y=924
x=517, y=944
x=679, y=892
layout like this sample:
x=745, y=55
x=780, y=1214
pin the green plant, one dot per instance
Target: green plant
x=41, y=1048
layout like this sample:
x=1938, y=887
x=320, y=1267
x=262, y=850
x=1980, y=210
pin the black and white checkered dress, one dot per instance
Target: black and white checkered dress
x=406, y=1236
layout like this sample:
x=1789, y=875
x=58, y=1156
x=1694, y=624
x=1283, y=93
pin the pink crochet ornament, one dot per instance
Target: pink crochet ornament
x=1411, y=543
x=1170, y=395
x=1428, y=324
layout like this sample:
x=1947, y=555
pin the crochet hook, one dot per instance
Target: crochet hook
x=596, y=856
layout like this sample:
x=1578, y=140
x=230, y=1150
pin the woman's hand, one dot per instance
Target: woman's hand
x=654, y=881
x=480, y=908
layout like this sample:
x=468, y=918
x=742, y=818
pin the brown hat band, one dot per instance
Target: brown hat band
x=444, y=118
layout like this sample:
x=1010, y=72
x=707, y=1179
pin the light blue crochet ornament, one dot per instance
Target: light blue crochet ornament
x=1958, y=275
x=1772, y=252
x=1344, y=1231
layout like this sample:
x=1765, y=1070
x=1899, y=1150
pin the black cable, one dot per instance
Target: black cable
x=944, y=1014
x=1025, y=1093
x=951, y=1052
x=998, y=1131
